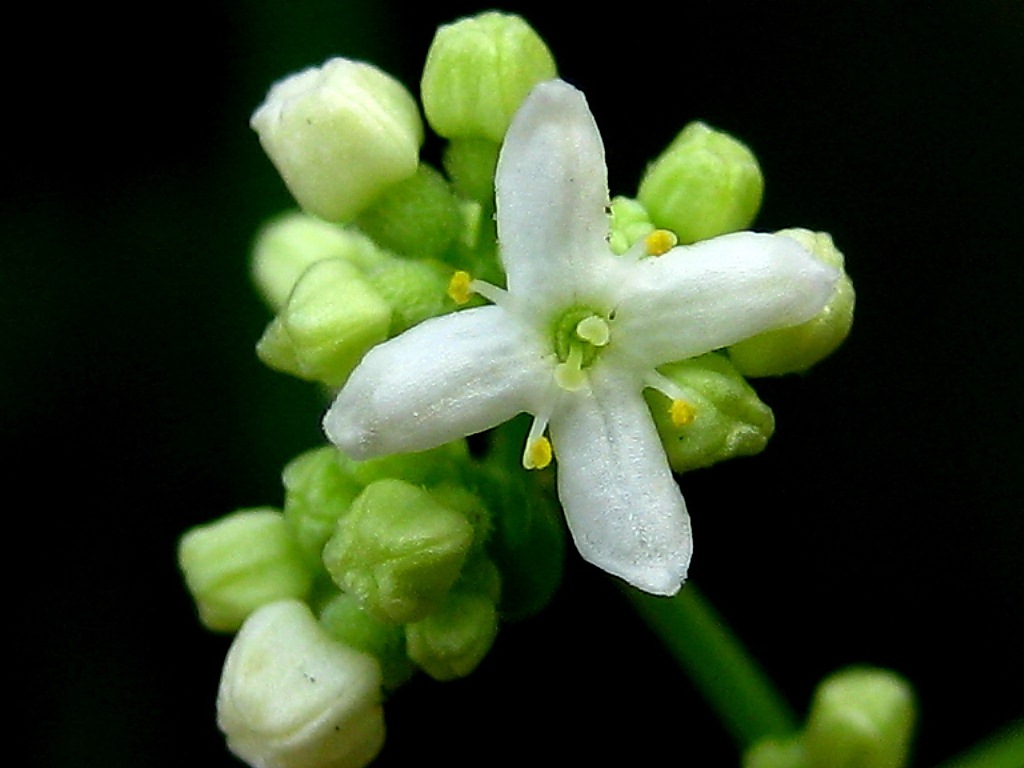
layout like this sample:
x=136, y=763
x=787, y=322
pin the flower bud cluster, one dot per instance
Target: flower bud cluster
x=378, y=568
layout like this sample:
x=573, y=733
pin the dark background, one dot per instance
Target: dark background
x=882, y=525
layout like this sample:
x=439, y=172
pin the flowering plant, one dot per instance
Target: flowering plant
x=617, y=352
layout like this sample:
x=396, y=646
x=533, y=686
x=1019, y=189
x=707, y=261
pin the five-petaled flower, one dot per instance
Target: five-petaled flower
x=574, y=339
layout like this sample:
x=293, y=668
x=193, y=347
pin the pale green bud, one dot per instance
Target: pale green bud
x=318, y=490
x=415, y=291
x=290, y=696
x=398, y=550
x=629, y=224
x=418, y=217
x=470, y=164
x=234, y=565
x=287, y=245
x=860, y=718
x=705, y=184
x=330, y=321
x=795, y=349
x=719, y=417
x=453, y=640
x=478, y=71
x=339, y=135
x=349, y=623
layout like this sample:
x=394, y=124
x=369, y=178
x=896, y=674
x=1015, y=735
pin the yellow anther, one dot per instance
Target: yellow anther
x=660, y=241
x=594, y=330
x=682, y=413
x=459, y=287
x=538, y=454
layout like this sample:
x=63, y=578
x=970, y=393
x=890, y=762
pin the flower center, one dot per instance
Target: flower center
x=579, y=334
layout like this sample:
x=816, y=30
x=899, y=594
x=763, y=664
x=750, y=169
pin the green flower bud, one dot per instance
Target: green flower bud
x=330, y=321
x=705, y=184
x=292, y=697
x=350, y=624
x=452, y=641
x=289, y=244
x=860, y=718
x=776, y=753
x=415, y=291
x=795, y=349
x=398, y=550
x=629, y=224
x=478, y=71
x=318, y=490
x=470, y=164
x=418, y=217
x=340, y=135
x=236, y=564
x=719, y=418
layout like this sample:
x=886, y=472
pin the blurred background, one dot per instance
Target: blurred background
x=882, y=525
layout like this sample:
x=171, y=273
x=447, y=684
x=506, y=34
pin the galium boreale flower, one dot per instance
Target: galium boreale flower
x=574, y=339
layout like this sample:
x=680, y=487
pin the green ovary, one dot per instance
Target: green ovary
x=579, y=334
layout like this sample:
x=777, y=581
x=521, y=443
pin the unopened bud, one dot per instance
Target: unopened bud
x=234, y=565
x=339, y=135
x=330, y=321
x=398, y=550
x=705, y=184
x=290, y=696
x=478, y=71
x=795, y=349
x=720, y=416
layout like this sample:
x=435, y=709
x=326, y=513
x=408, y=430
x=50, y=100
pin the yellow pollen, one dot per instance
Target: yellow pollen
x=538, y=454
x=660, y=241
x=682, y=413
x=458, y=287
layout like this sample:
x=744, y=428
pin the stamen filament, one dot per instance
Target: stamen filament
x=569, y=375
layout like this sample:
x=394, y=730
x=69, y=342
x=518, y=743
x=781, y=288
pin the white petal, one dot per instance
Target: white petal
x=705, y=296
x=552, y=191
x=443, y=379
x=623, y=507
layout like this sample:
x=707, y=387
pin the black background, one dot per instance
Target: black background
x=882, y=525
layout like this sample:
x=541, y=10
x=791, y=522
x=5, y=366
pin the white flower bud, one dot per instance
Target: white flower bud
x=292, y=697
x=339, y=135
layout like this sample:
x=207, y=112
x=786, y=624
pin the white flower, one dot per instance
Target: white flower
x=574, y=339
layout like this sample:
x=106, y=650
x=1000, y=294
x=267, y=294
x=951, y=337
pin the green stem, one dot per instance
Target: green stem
x=1004, y=750
x=749, y=705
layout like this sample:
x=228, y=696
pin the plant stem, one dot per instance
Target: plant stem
x=748, y=703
